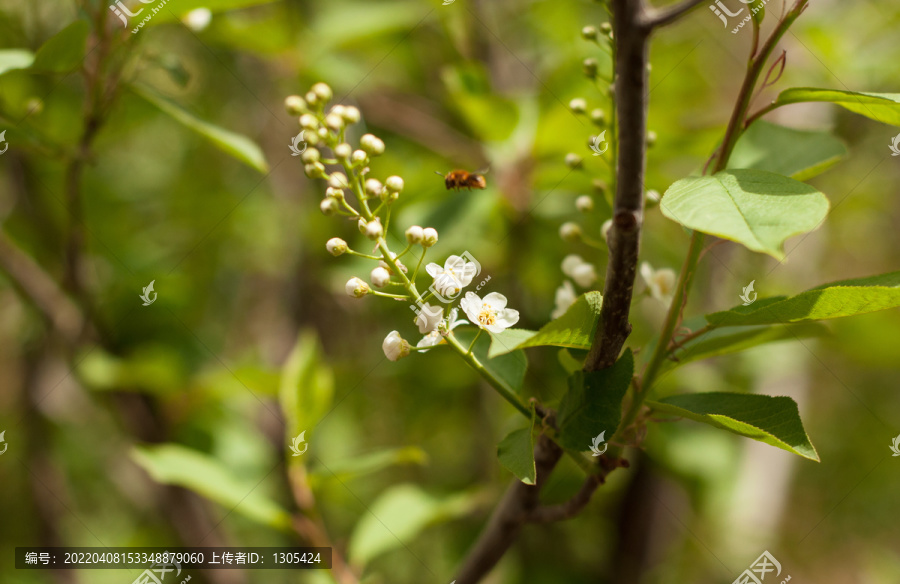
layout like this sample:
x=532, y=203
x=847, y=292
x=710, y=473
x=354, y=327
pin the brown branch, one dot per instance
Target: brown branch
x=509, y=517
x=579, y=501
x=670, y=14
x=631, y=37
x=40, y=289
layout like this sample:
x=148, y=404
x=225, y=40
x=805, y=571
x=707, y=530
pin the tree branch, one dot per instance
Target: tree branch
x=579, y=501
x=631, y=38
x=510, y=515
x=670, y=14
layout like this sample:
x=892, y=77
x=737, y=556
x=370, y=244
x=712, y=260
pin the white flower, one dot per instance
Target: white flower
x=565, y=297
x=356, y=288
x=380, y=277
x=395, y=346
x=197, y=19
x=661, y=283
x=584, y=275
x=490, y=313
x=429, y=317
x=456, y=274
x=431, y=339
x=579, y=270
x=451, y=322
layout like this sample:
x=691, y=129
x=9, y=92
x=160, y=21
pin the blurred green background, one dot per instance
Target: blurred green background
x=237, y=254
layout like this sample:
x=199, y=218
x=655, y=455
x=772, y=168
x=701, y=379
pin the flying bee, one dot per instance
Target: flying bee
x=458, y=179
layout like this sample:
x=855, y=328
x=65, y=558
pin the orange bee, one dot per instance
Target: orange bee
x=458, y=179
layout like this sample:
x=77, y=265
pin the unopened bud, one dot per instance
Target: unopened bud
x=394, y=184
x=329, y=206
x=343, y=151
x=338, y=180
x=358, y=157
x=570, y=232
x=578, y=105
x=374, y=230
x=294, y=105
x=334, y=193
x=322, y=91
x=315, y=170
x=310, y=155
x=334, y=122
x=336, y=246
x=356, y=288
x=309, y=122
x=351, y=114
x=590, y=67
x=380, y=277
x=372, y=144
x=589, y=33
x=598, y=116
x=429, y=237
x=584, y=203
x=373, y=187
x=651, y=138
x=415, y=234
x=573, y=161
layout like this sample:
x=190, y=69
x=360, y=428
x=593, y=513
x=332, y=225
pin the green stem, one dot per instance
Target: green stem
x=503, y=388
x=472, y=344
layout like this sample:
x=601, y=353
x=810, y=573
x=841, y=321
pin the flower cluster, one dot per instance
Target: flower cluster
x=353, y=193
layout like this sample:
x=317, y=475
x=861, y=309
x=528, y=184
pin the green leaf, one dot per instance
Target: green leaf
x=726, y=341
x=11, y=59
x=236, y=145
x=509, y=367
x=881, y=107
x=752, y=207
x=569, y=362
x=489, y=116
x=64, y=51
x=516, y=453
x=773, y=420
x=398, y=516
x=574, y=329
x=366, y=464
x=173, y=464
x=593, y=403
x=307, y=386
x=835, y=300
x=799, y=154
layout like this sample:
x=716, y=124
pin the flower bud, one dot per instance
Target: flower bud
x=322, y=91
x=415, y=234
x=338, y=110
x=372, y=144
x=311, y=98
x=358, y=157
x=351, y=114
x=598, y=117
x=651, y=139
x=584, y=203
x=334, y=193
x=311, y=138
x=590, y=66
x=429, y=237
x=578, y=105
x=573, y=161
x=604, y=229
x=309, y=122
x=589, y=33
x=395, y=347
x=373, y=187
x=329, y=206
x=362, y=224
x=570, y=232
x=322, y=132
x=599, y=186
x=338, y=180
x=611, y=90
x=315, y=170
x=356, y=288
x=334, y=122
x=310, y=155
x=380, y=277
x=388, y=196
x=294, y=105
x=374, y=230
x=336, y=246
x=394, y=184
x=606, y=28
x=343, y=151
x=653, y=197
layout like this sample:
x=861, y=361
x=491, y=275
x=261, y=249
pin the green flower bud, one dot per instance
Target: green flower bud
x=590, y=66
x=294, y=105
x=315, y=170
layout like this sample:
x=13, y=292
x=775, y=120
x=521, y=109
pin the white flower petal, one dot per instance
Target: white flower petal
x=429, y=317
x=584, y=275
x=434, y=270
x=570, y=262
x=495, y=301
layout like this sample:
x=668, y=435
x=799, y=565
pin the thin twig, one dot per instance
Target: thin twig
x=668, y=15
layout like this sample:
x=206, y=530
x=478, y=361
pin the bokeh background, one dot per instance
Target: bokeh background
x=402, y=461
